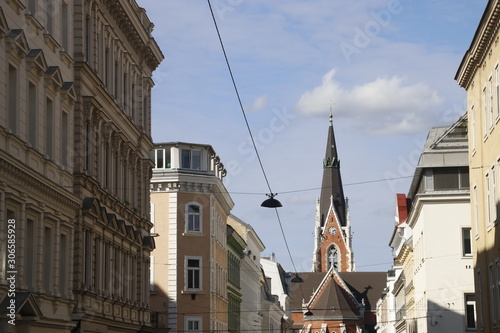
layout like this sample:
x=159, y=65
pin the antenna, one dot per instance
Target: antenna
x=330, y=104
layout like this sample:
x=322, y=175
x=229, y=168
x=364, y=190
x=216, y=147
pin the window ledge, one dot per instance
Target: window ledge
x=193, y=292
x=193, y=233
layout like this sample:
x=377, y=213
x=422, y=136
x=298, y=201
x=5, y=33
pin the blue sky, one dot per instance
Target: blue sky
x=388, y=67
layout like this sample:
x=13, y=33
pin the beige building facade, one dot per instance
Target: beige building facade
x=189, y=209
x=75, y=88
x=479, y=75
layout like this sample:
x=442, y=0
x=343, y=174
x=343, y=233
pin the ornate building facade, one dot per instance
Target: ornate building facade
x=75, y=138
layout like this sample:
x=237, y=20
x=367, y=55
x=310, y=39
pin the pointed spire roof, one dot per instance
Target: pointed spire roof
x=331, y=186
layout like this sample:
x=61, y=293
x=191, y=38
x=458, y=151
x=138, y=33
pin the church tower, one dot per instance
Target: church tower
x=332, y=236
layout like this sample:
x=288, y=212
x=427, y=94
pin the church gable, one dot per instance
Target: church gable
x=334, y=248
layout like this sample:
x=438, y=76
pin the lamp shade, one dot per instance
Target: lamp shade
x=308, y=313
x=271, y=202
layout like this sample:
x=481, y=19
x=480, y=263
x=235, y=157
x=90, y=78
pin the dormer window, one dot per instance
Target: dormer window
x=191, y=159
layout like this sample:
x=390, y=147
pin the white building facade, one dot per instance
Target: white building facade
x=439, y=217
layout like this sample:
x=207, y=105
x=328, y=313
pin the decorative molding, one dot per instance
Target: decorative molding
x=53, y=77
x=4, y=26
x=17, y=42
x=36, y=61
x=482, y=41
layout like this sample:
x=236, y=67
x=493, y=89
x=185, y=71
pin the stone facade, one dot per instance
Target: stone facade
x=75, y=88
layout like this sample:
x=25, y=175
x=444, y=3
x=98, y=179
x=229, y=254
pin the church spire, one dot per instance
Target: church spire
x=331, y=187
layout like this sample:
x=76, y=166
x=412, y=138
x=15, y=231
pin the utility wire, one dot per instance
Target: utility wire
x=238, y=96
x=250, y=131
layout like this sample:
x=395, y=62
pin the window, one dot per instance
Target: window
x=494, y=194
x=488, y=198
x=63, y=265
x=476, y=210
x=193, y=273
x=193, y=219
x=191, y=159
x=333, y=258
x=30, y=254
x=107, y=268
x=161, y=158
x=116, y=80
x=12, y=99
x=497, y=81
x=485, y=112
x=126, y=276
x=48, y=16
x=493, y=302
x=479, y=290
x=152, y=274
x=466, y=242
x=47, y=260
x=490, y=106
x=49, y=128
x=116, y=272
x=32, y=111
x=498, y=286
x=470, y=311
x=451, y=178
x=32, y=6
x=97, y=264
x=472, y=128
x=193, y=324
x=87, y=271
x=64, y=26
x=65, y=139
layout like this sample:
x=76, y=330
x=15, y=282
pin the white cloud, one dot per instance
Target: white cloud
x=259, y=103
x=387, y=105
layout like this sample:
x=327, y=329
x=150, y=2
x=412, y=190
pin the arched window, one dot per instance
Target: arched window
x=333, y=257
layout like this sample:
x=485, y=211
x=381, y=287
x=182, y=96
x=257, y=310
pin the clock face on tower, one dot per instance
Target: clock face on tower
x=332, y=231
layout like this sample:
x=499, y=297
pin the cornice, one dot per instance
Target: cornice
x=437, y=197
x=138, y=36
x=28, y=183
x=482, y=41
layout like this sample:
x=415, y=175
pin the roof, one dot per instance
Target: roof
x=444, y=147
x=249, y=228
x=331, y=186
x=180, y=143
x=364, y=286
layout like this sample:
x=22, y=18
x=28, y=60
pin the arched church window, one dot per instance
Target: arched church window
x=333, y=258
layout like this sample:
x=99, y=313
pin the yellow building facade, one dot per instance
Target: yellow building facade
x=479, y=75
x=189, y=209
